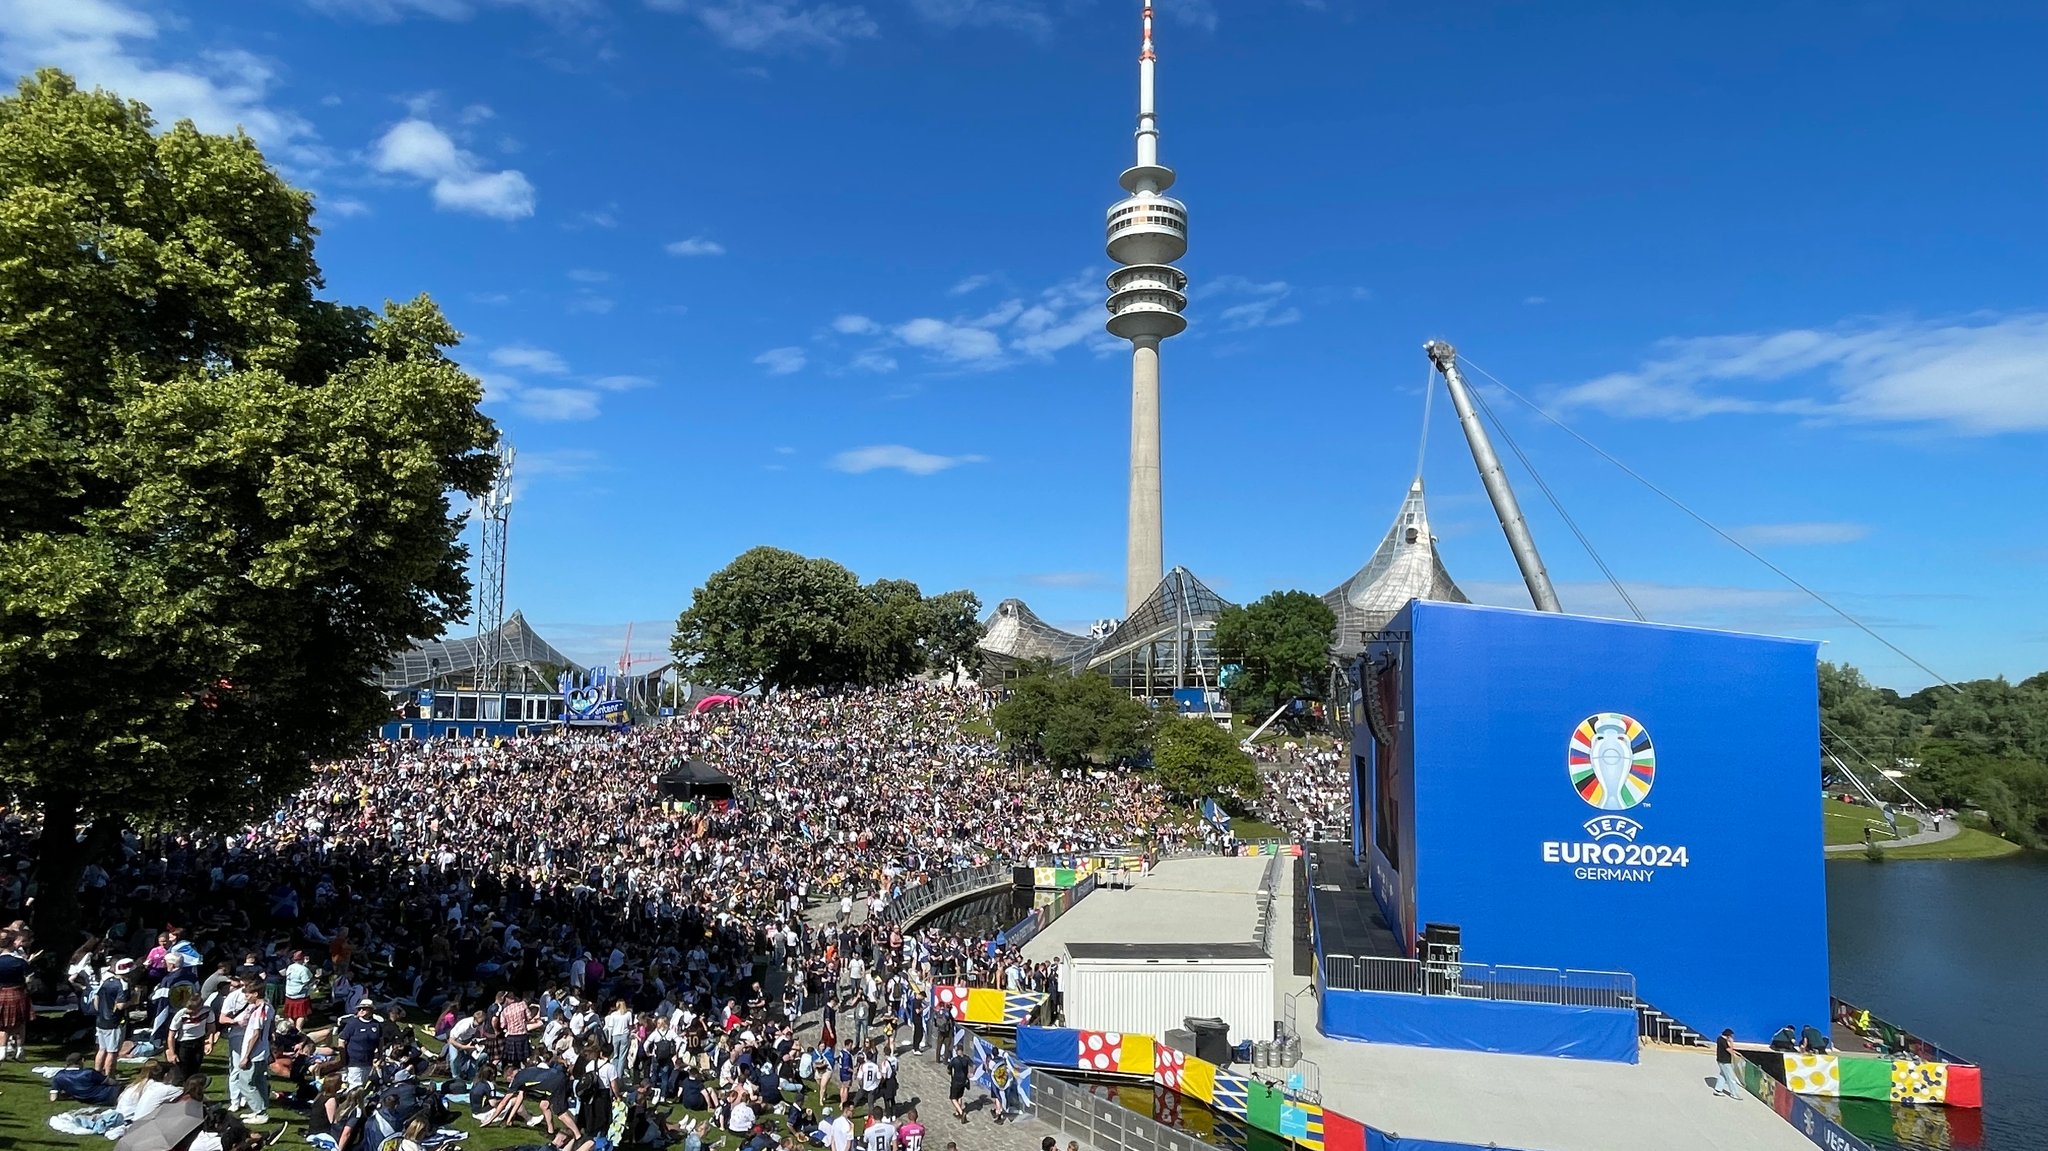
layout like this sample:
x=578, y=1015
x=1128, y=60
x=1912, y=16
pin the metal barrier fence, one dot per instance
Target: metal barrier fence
x=1100, y=1124
x=1268, y=913
x=1469, y=980
x=916, y=900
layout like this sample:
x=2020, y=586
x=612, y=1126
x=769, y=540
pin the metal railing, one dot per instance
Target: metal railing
x=1099, y=1123
x=916, y=900
x=1468, y=980
x=1268, y=895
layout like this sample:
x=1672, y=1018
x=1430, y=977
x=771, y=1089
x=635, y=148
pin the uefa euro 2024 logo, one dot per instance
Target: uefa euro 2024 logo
x=1613, y=765
x=1612, y=761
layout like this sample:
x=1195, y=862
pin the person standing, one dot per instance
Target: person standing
x=956, y=1086
x=249, y=1066
x=298, y=989
x=110, y=1007
x=15, y=1010
x=1724, y=1064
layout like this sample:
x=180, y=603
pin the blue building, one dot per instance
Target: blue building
x=1602, y=796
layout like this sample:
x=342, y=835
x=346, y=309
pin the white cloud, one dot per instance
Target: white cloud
x=1535, y=301
x=390, y=11
x=1264, y=304
x=528, y=358
x=342, y=206
x=105, y=43
x=415, y=147
x=605, y=217
x=957, y=342
x=877, y=362
x=1979, y=376
x=1026, y=16
x=556, y=404
x=782, y=361
x=547, y=404
x=1798, y=534
x=855, y=326
x=973, y=283
x=588, y=275
x=880, y=457
x=590, y=304
x=577, y=400
x=1766, y=611
x=694, y=246
x=776, y=25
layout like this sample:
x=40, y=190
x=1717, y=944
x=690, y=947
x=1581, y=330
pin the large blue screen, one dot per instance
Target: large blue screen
x=1602, y=795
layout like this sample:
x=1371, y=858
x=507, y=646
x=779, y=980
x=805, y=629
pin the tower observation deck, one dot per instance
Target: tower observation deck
x=1147, y=231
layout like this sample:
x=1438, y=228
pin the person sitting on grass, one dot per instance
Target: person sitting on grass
x=82, y=1084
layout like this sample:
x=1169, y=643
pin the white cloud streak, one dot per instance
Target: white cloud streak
x=782, y=361
x=1799, y=534
x=107, y=44
x=776, y=26
x=1979, y=376
x=694, y=246
x=529, y=358
x=416, y=147
x=896, y=457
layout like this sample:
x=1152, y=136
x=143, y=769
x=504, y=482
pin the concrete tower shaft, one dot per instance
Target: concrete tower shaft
x=1147, y=231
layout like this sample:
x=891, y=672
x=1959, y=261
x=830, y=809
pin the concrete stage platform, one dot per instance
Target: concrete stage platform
x=1199, y=899
x=1524, y=1102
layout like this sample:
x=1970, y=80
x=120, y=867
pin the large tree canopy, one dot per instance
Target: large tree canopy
x=224, y=502
x=775, y=619
x=1283, y=643
x=1071, y=721
x=1981, y=744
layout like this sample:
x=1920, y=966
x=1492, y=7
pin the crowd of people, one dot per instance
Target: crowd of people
x=1307, y=790
x=577, y=946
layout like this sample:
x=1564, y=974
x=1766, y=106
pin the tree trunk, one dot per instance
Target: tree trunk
x=60, y=862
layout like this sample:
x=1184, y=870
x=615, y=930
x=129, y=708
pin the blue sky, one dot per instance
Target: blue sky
x=827, y=275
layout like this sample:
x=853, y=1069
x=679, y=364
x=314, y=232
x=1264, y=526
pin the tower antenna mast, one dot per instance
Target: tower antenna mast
x=496, y=514
x=1147, y=232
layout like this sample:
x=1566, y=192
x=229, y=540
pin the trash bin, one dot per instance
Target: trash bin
x=1242, y=1053
x=1181, y=1041
x=1212, y=1039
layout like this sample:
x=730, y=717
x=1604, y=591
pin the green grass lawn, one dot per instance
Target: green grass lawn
x=25, y=1108
x=1250, y=830
x=1970, y=844
x=1844, y=822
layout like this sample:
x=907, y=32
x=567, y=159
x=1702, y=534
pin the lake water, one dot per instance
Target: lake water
x=1956, y=952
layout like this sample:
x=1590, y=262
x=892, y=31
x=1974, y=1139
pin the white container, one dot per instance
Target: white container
x=1150, y=988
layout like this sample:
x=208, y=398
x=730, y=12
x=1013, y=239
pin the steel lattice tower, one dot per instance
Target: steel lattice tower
x=1148, y=231
x=495, y=510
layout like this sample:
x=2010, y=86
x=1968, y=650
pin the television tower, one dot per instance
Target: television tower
x=1148, y=231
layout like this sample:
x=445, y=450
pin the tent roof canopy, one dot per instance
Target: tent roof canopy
x=518, y=644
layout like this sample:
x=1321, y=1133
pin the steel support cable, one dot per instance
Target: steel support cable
x=1428, y=394
x=1703, y=521
x=1871, y=762
x=1486, y=409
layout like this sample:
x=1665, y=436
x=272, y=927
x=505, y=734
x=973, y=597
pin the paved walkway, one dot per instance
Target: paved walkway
x=923, y=1084
x=1949, y=830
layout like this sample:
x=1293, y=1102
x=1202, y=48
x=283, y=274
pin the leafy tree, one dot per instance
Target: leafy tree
x=952, y=629
x=886, y=636
x=224, y=502
x=1283, y=643
x=1193, y=759
x=773, y=619
x=1071, y=720
x=1855, y=713
x=776, y=619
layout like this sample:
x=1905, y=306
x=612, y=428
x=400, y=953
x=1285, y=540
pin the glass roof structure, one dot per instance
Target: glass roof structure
x=1404, y=567
x=1168, y=642
x=522, y=648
